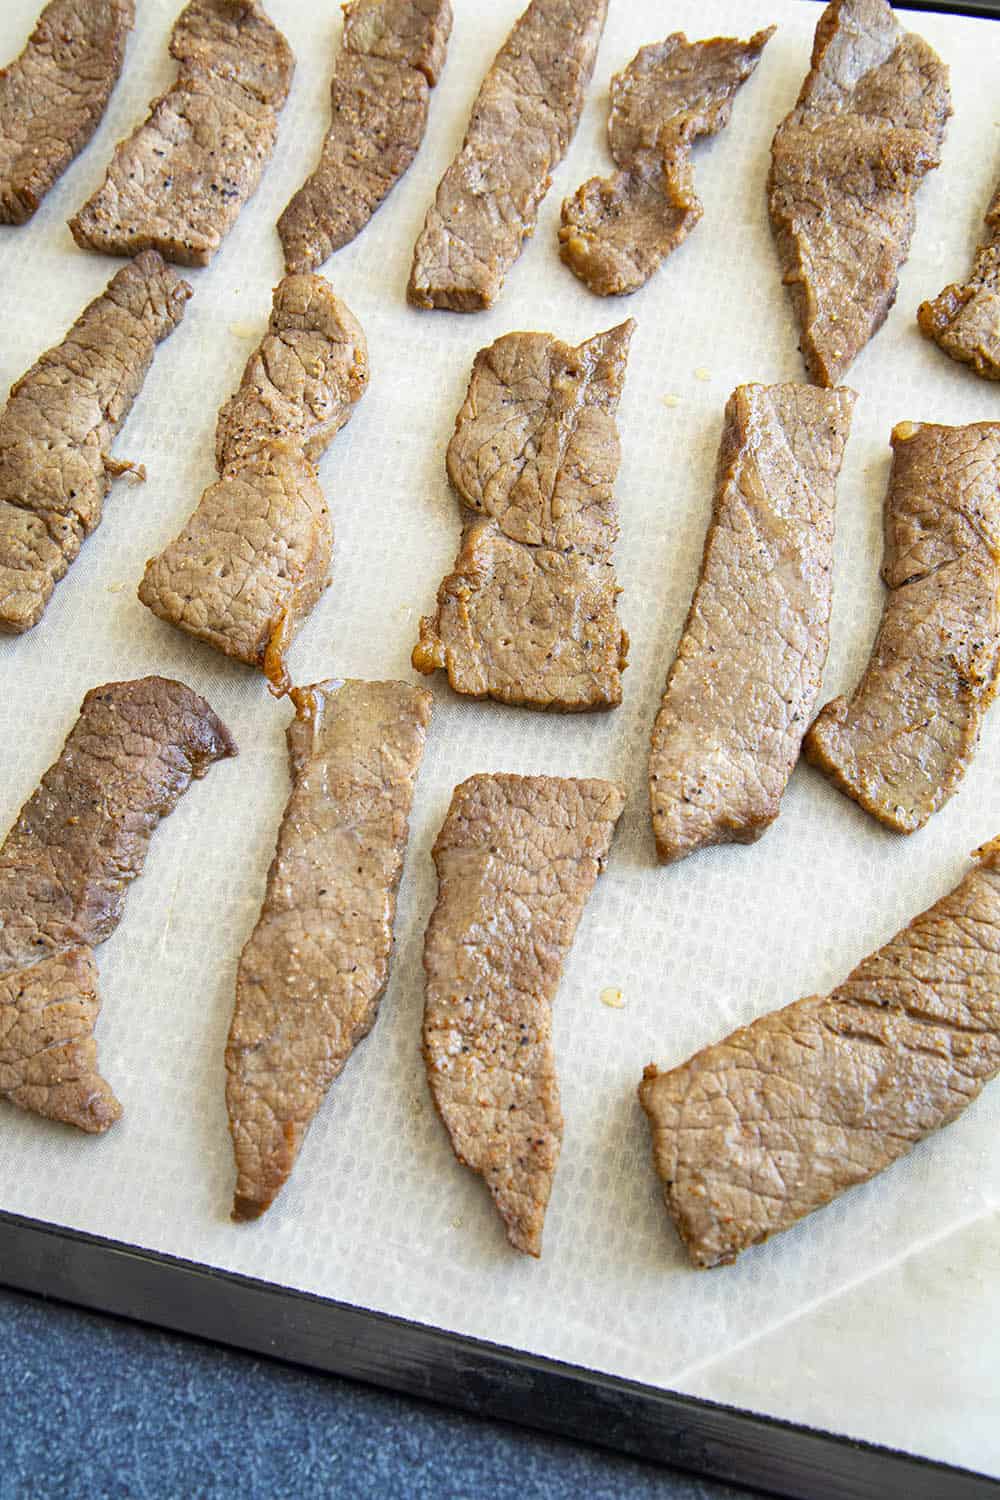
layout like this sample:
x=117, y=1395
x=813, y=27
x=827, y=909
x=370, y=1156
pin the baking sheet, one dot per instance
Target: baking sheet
x=873, y=1318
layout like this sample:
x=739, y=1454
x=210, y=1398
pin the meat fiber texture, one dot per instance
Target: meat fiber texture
x=177, y=185
x=965, y=318
x=888, y=1298
x=53, y=95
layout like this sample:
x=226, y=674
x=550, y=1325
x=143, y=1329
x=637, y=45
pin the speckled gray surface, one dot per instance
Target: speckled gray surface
x=96, y=1407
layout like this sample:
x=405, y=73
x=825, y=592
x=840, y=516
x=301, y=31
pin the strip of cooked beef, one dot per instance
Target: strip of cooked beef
x=517, y=857
x=58, y=427
x=254, y=557
x=845, y=168
x=65, y=867
x=617, y=230
x=391, y=58
x=316, y=965
x=53, y=96
x=904, y=739
x=965, y=320
x=177, y=185
x=743, y=685
x=529, y=614
x=521, y=125
x=785, y=1114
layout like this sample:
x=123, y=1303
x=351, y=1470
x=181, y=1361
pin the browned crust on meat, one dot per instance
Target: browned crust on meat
x=178, y=183
x=53, y=97
x=392, y=55
x=313, y=972
x=617, y=230
x=65, y=867
x=901, y=743
x=516, y=858
x=522, y=122
x=529, y=614
x=58, y=426
x=782, y=1116
x=964, y=320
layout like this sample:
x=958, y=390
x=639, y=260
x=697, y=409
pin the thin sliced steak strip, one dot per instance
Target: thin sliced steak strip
x=53, y=97
x=177, y=185
x=522, y=122
x=254, y=557
x=316, y=966
x=748, y=669
x=65, y=867
x=57, y=429
x=965, y=320
x=787, y=1113
x=392, y=55
x=517, y=857
x=529, y=614
x=902, y=742
x=617, y=230
x=845, y=168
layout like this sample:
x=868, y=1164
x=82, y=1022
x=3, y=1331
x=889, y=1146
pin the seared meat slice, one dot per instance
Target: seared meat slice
x=903, y=741
x=58, y=427
x=787, y=1113
x=65, y=866
x=965, y=320
x=178, y=184
x=616, y=230
x=522, y=122
x=314, y=970
x=53, y=96
x=391, y=58
x=845, y=168
x=254, y=558
x=517, y=857
x=529, y=614
x=748, y=668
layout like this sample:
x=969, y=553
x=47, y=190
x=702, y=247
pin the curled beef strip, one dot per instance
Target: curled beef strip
x=58, y=427
x=529, y=614
x=254, y=557
x=316, y=966
x=617, y=230
x=750, y=661
x=391, y=58
x=53, y=96
x=965, y=320
x=65, y=867
x=845, y=168
x=177, y=185
x=517, y=857
x=522, y=122
x=787, y=1113
x=905, y=738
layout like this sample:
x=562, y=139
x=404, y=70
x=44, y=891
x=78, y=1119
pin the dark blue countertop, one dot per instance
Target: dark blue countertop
x=96, y=1407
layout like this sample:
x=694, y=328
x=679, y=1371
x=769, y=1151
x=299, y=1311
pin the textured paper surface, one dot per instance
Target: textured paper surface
x=877, y=1316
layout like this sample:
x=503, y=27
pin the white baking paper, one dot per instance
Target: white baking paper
x=876, y=1317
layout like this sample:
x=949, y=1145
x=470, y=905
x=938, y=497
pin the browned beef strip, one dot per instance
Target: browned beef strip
x=517, y=857
x=522, y=122
x=254, y=557
x=904, y=739
x=965, y=320
x=58, y=427
x=784, y=1115
x=617, y=230
x=392, y=56
x=316, y=965
x=65, y=866
x=177, y=185
x=53, y=96
x=845, y=167
x=750, y=661
x=529, y=614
